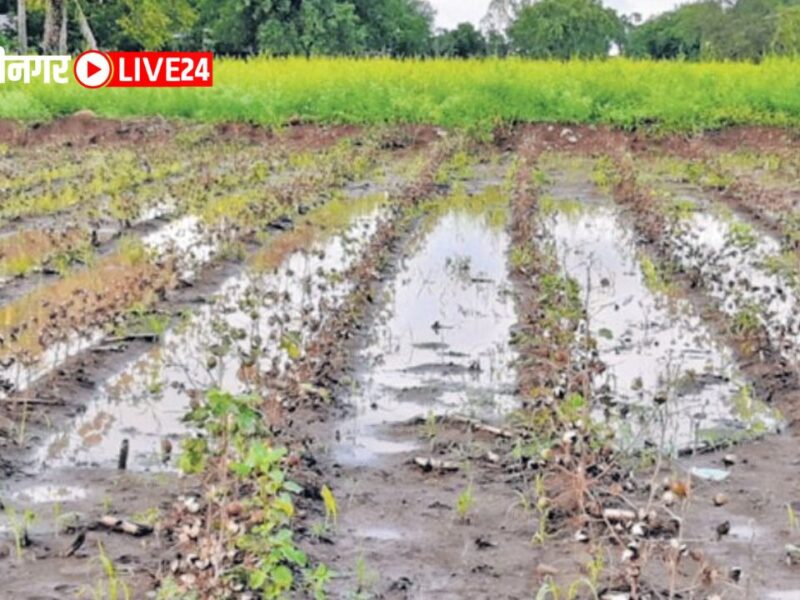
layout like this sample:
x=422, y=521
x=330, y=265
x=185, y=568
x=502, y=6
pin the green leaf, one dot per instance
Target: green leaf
x=292, y=487
x=282, y=577
x=295, y=556
x=291, y=344
x=193, y=457
x=257, y=579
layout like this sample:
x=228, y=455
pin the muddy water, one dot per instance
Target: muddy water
x=256, y=319
x=188, y=239
x=194, y=247
x=441, y=345
x=668, y=383
x=743, y=270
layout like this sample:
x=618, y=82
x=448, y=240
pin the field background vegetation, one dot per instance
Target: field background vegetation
x=460, y=93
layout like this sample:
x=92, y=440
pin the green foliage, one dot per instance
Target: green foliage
x=396, y=27
x=747, y=321
x=682, y=33
x=237, y=437
x=738, y=30
x=329, y=27
x=787, y=33
x=465, y=502
x=224, y=414
x=462, y=42
x=564, y=29
x=671, y=96
x=655, y=279
x=742, y=235
x=193, y=455
x=311, y=27
x=151, y=24
x=709, y=29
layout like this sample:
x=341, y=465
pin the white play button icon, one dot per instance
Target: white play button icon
x=92, y=69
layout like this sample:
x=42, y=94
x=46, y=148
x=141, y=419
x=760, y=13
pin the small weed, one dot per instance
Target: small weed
x=654, y=279
x=742, y=235
x=746, y=321
x=794, y=525
x=331, y=508
x=520, y=258
x=465, y=503
x=431, y=426
x=19, y=527
x=148, y=517
x=542, y=507
x=365, y=577
x=114, y=587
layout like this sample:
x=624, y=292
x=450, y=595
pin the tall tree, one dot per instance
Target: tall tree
x=311, y=27
x=687, y=32
x=54, y=40
x=787, y=34
x=565, y=29
x=748, y=29
x=500, y=15
x=83, y=24
x=397, y=27
x=462, y=42
x=328, y=27
x=153, y=24
x=22, y=26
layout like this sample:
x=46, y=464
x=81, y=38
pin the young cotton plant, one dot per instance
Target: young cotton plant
x=253, y=496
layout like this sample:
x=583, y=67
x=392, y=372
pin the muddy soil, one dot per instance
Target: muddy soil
x=440, y=346
x=136, y=390
x=430, y=506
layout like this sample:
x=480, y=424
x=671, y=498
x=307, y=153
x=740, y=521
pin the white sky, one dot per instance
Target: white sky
x=452, y=12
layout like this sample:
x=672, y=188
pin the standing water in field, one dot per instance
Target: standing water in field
x=442, y=342
x=255, y=324
x=187, y=239
x=668, y=382
x=751, y=276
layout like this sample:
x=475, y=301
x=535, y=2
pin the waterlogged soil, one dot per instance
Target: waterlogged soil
x=439, y=349
x=73, y=479
x=668, y=382
x=428, y=506
x=133, y=392
x=442, y=341
x=743, y=496
x=147, y=401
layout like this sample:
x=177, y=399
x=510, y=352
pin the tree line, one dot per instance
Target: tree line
x=556, y=29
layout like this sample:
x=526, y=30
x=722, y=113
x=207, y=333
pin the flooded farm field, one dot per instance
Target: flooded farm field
x=399, y=363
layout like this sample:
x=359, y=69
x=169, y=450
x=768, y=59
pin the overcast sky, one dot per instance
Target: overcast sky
x=452, y=12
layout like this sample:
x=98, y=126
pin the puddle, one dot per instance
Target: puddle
x=744, y=270
x=188, y=239
x=441, y=343
x=382, y=534
x=48, y=493
x=668, y=382
x=249, y=322
x=748, y=532
x=194, y=247
x=709, y=474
